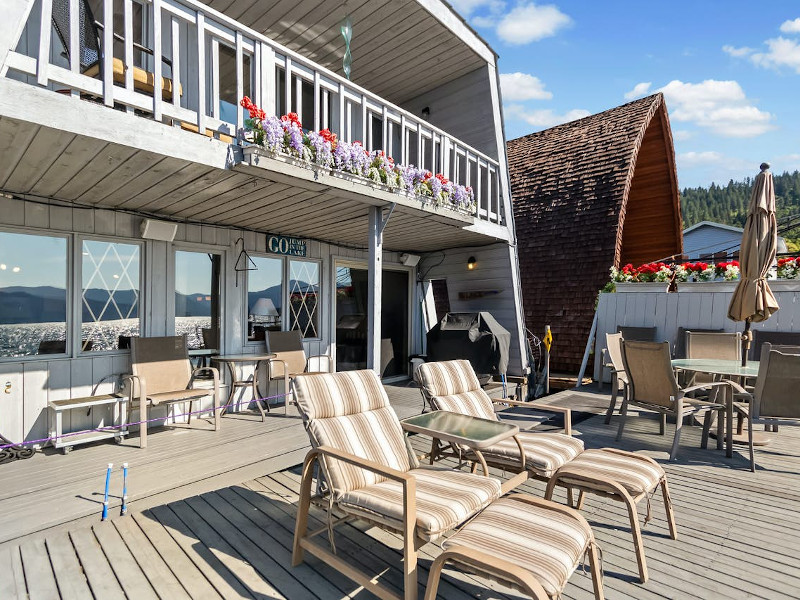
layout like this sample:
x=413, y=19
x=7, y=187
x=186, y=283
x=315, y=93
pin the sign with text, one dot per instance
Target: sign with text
x=289, y=246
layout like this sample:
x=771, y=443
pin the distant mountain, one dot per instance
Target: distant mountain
x=728, y=204
x=44, y=304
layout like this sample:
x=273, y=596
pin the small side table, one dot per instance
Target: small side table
x=473, y=432
x=118, y=430
x=232, y=360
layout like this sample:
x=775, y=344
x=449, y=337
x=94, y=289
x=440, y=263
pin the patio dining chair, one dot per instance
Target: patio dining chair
x=652, y=385
x=774, y=401
x=619, y=381
x=290, y=359
x=369, y=472
x=163, y=375
x=556, y=458
x=712, y=345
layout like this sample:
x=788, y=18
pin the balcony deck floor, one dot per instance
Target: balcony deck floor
x=737, y=529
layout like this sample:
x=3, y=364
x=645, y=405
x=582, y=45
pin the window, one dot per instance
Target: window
x=303, y=295
x=264, y=297
x=197, y=298
x=33, y=294
x=109, y=294
x=228, y=97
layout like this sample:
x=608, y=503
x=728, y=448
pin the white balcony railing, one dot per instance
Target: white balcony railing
x=188, y=65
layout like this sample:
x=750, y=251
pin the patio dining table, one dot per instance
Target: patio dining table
x=721, y=369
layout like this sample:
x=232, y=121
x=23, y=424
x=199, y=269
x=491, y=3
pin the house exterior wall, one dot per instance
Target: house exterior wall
x=708, y=240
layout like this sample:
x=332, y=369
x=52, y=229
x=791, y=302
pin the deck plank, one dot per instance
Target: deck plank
x=12, y=576
x=124, y=565
x=98, y=572
x=69, y=574
x=39, y=576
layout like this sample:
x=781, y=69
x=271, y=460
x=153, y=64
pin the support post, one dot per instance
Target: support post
x=377, y=223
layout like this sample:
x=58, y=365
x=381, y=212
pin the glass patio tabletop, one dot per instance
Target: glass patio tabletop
x=457, y=428
x=729, y=368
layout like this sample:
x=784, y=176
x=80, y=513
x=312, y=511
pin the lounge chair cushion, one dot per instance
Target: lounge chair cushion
x=547, y=543
x=544, y=452
x=447, y=378
x=445, y=498
x=475, y=404
x=350, y=411
x=636, y=475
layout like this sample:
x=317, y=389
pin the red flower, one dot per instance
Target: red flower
x=442, y=179
x=328, y=136
x=292, y=117
x=246, y=102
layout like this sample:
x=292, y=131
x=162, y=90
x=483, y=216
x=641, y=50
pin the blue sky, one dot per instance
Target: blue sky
x=729, y=69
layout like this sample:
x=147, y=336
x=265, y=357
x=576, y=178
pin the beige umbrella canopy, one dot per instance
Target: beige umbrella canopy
x=753, y=301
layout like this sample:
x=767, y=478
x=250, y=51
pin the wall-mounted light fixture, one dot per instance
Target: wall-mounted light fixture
x=426, y=112
x=409, y=260
x=163, y=231
x=471, y=263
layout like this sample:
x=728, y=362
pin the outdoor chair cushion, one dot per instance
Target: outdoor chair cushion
x=177, y=396
x=447, y=378
x=637, y=476
x=445, y=498
x=350, y=411
x=544, y=452
x=548, y=544
x=474, y=403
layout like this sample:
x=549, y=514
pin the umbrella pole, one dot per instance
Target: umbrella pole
x=745, y=342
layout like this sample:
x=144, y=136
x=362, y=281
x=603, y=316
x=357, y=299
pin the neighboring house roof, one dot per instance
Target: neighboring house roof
x=589, y=194
x=713, y=224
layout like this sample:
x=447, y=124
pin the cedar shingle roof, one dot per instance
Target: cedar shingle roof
x=574, y=187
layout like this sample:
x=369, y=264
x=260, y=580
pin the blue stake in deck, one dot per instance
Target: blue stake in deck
x=105, y=496
x=124, y=508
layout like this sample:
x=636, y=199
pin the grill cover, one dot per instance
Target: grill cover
x=476, y=337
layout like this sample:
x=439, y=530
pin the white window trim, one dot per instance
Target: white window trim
x=320, y=298
x=248, y=343
x=221, y=251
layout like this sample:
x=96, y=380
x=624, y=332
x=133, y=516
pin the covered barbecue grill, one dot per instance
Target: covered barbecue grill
x=476, y=337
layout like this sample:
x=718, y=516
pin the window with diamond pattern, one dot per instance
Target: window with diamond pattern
x=303, y=297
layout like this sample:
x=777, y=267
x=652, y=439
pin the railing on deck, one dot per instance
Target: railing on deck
x=216, y=61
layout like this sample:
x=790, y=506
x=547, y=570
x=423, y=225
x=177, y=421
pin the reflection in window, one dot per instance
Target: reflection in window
x=197, y=296
x=264, y=297
x=33, y=294
x=303, y=294
x=109, y=294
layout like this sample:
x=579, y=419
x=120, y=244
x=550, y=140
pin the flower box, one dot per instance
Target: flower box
x=642, y=286
x=707, y=286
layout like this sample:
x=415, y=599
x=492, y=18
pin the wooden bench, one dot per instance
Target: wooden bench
x=119, y=430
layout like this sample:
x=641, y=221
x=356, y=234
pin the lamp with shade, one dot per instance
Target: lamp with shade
x=264, y=309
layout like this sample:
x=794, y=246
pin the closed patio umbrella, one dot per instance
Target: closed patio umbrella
x=753, y=301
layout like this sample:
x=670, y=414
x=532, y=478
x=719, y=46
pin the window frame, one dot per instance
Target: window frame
x=246, y=296
x=68, y=315
x=320, y=297
x=77, y=313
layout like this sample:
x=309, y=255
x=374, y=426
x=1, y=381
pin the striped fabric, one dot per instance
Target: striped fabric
x=445, y=498
x=547, y=543
x=446, y=378
x=351, y=412
x=475, y=403
x=637, y=476
x=544, y=452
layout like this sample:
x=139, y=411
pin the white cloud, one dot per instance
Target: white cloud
x=466, y=7
x=544, y=118
x=681, y=135
x=699, y=159
x=531, y=22
x=518, y=87
x=639, y=90
x=719, y=106
x=737, y=52
x=782, y=53
x=791, y=26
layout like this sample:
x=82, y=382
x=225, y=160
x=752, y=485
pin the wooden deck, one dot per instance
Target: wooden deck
x=737, y=538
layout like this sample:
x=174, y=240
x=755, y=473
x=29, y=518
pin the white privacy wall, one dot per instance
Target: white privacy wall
x=701, y=305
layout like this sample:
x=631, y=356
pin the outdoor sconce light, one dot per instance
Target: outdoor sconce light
x=471, y=262
x=426, y=112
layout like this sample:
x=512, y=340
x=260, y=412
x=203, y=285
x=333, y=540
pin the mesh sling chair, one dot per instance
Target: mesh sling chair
x=91, y=54
x=619, y=381
x=556, y=458
x=290, y=360
x=163, y=374
x=775, y=400
x=652, y=385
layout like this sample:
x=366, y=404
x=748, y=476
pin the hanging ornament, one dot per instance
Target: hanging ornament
x=347, y=34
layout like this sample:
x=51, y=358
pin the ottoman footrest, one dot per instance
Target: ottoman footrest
x=531, y=544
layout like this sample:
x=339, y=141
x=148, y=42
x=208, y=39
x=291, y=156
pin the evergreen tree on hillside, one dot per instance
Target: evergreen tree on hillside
x=728, y=203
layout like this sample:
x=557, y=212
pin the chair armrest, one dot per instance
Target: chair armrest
x=270, y=361
x=318, y=356
x=541, y=407
x=134, y=381
x=369, y=465
x=704, y=386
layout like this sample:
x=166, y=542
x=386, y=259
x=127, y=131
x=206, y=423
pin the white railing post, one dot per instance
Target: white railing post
x=341, y=112
x=74, y=40
x=364, y=114
x=316, y=102
x=268, y=80
x=403, y=141
x=108, y=52
x=387, y=146
x=444, y=150
x=157, y=68
x=44, y=42
x=215, y=78
x=128, y=27
x=478, y=191
x=420, y=146
x=326, y=117
x=256, y=88
x=239, y=80
x=298, y=97
x=176, y=62
x=287, y=88
x=201, y=71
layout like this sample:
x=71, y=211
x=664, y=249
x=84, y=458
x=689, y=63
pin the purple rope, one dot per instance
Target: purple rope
x=116, y=427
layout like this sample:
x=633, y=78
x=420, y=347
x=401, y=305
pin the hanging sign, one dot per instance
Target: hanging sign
x=289, y=246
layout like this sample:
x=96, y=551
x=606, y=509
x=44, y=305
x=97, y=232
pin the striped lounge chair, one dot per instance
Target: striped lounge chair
x=556, y=458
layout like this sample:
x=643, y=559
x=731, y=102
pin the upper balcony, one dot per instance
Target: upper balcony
x=184, y=64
